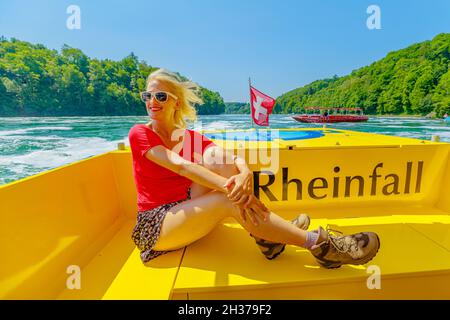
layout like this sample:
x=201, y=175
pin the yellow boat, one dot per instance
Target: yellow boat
x=65, y=233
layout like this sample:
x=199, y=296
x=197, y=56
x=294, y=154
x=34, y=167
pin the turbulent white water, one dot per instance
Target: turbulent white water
x=32, y=145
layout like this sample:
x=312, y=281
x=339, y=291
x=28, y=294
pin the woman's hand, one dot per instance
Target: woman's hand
x=253, y=208
x=241, y=185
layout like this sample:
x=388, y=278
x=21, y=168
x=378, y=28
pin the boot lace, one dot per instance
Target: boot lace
x=336, y=241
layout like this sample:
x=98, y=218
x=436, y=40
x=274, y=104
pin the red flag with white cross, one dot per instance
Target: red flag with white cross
x=262, y=106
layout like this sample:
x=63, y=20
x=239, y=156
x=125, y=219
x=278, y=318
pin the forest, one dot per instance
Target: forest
x=36, y=81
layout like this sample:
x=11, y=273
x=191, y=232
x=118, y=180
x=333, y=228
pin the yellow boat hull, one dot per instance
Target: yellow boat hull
x=65, y=233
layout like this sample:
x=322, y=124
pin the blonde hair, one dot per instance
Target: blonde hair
x=188, y=94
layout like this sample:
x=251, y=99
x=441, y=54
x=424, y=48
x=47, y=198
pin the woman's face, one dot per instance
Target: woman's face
x=163, y=111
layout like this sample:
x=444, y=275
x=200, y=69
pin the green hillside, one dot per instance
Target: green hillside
x=414, y=80
x=36, y=81
x=237, y=107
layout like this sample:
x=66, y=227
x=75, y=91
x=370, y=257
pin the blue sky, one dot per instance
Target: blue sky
x=280, y=44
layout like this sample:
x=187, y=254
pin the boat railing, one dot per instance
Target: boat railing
x=324, y=111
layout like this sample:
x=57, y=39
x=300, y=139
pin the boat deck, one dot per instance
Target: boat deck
x=81, y=215
x=226, y=264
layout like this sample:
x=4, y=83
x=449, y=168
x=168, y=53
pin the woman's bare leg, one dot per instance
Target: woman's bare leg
x=193, y=219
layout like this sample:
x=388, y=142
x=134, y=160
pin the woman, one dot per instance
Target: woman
x=186, y=185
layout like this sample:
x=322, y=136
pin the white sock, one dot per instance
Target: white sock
x=311, y=239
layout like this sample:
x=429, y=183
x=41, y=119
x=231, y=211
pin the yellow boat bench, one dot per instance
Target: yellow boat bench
x=65, y=233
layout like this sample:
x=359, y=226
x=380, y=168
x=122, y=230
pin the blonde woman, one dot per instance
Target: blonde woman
x=186, y=185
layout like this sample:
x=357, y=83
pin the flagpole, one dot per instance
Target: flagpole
x=250, y=101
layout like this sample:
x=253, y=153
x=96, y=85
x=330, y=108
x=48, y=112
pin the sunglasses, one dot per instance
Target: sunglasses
x=160, y=96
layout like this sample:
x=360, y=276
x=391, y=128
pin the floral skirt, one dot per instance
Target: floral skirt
x=148, y=227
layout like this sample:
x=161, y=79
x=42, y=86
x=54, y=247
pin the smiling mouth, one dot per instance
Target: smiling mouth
x=154, y=109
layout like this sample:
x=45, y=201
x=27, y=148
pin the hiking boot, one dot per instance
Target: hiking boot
x=270, y=249
x=332, y=251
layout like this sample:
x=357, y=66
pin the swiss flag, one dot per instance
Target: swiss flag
x=262, y=106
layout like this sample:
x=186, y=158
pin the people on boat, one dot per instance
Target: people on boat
x=185, y=188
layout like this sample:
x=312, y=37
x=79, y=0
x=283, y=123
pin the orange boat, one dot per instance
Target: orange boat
x=330, y=115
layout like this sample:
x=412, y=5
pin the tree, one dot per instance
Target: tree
x=441, y=96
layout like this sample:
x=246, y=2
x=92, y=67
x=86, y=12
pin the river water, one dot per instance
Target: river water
x=32, y=145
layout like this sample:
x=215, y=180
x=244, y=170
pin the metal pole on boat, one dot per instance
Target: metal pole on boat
x=250, y=101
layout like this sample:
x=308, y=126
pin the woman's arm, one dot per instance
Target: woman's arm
x=195, y=172
x=170, y=160
x=242, y=165
x=242, y=182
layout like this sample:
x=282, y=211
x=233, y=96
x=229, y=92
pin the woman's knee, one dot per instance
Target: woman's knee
x=225, y=170
x=225, y=205
x=188, y=222
x=220, y=162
